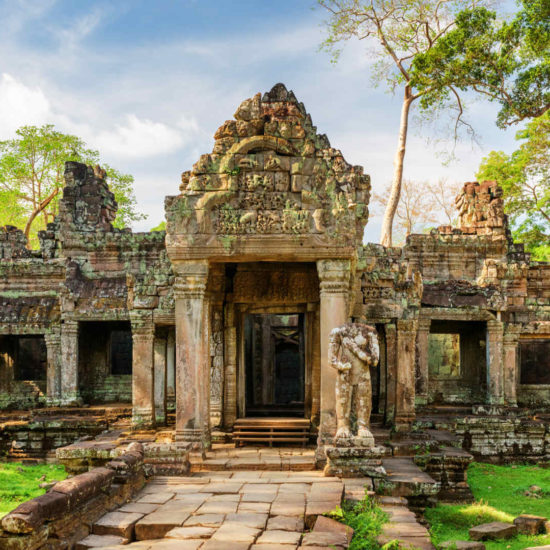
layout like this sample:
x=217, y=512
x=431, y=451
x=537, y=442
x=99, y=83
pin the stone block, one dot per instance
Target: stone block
x=205, y=520
x=286, y=523
x=233, y=532
x=530, y=525
x=493, y=531
x=248, y=519
x=120, y=524
x=99, y=541
x=328, y=525
x=213, y=544
x=194, y=532
x=156, y=525
x=325, y=539
x=279, y=537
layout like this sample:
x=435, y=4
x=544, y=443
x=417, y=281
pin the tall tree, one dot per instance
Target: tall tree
x=433, y=50
x=31, y=178
x=525, y=179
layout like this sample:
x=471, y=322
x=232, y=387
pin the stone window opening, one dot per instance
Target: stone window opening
x=534, y=361
x=27, y=356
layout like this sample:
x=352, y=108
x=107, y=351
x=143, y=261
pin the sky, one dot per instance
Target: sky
x=147, y=83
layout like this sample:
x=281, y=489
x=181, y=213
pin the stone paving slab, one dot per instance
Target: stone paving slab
x=120, y=524
x=99, y=541
x=280, y=537
x=194, y=532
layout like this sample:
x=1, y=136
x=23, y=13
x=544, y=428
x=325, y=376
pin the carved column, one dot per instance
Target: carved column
x=216, y=281
x=495, y=394
x=53, y=347
x=192, y=354
x=391, y=372
x=422, y=374
x=405, y=383
x=143, y=337
x=334, y=279
x=159, y=382
x=70, y=394
x=171, y=368
x=230, y=360
x=511, y=366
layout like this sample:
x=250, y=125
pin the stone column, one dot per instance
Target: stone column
x=405, y=383
x=159, y=382
x=495, y=394
x=192, y=354
x=334, y=279
x=171, y=367
x=422, y=374
x=53, y=347
x=510, y=363
x=230, y=363
x=216, y=282
x=391, y=372
x=70, y=394
x=143, y=337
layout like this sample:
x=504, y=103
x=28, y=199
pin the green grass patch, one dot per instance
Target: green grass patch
x=500, y=496
x=20, y=482
x=366, y=518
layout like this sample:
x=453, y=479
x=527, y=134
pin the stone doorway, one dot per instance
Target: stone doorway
x=274, y=346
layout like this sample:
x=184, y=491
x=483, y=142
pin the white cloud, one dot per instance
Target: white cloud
x=138, y=138
x=20, y=105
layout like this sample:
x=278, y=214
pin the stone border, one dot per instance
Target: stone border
x=65, y=514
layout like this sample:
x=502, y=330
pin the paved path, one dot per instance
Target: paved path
x=248, y=510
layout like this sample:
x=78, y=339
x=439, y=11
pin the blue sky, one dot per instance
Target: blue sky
x=147, y=83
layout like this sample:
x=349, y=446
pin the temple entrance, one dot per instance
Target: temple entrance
x=274, y=364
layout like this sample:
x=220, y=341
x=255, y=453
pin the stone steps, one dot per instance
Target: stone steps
x=405, y=479
x=403, y=526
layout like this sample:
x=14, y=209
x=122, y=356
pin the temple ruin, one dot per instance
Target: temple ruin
x=227, y=314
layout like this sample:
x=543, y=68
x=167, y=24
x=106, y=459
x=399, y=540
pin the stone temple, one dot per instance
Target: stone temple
x=226, y=316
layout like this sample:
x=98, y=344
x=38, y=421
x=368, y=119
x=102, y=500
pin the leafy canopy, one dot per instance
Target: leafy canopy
x=506, y=61
x=525, y=179
x=31, y=178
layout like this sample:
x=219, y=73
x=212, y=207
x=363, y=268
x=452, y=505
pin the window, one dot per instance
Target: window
x=444, y=356
x=30, y=358
x=535, y=361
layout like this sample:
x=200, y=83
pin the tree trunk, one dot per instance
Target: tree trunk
x=37, y=211
x=395, y=193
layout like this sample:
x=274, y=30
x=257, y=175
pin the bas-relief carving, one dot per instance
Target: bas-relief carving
x=353, y=349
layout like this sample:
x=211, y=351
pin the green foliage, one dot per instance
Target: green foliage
x=499, y=493
x=19, y=482
x=366, y=518
x=525, y=179
x=160, y=227
x=507, y=61
x=32, y=166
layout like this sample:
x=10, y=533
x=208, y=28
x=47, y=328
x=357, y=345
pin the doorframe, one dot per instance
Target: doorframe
x=250, y=309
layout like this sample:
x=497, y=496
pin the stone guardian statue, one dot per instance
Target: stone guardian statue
x=353, y=349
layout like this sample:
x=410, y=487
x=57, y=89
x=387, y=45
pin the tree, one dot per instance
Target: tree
x=421, y=205
x=31, y=178
x=525, y=180
x=434, y=50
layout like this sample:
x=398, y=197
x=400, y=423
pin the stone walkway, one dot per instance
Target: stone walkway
x=240, y=510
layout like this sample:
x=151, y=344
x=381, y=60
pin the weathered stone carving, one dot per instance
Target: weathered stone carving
x=353, y=349
x=480, y=205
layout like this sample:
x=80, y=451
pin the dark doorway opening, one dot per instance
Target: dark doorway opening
x=275, y=364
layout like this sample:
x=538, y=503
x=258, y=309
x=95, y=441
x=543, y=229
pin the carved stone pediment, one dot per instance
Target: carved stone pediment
x=269, y=179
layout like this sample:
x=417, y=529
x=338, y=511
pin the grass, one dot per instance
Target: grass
x=499, y=493
x=366, y=518
x=20, y=482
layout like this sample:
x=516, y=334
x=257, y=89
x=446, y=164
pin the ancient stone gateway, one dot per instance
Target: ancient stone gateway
x=228, y=314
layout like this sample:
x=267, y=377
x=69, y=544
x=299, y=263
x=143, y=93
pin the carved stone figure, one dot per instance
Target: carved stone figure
x=353, y=349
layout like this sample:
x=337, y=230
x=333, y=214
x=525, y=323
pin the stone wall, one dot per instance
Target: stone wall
x=65, y=514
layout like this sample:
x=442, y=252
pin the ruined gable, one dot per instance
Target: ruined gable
x=270, y=180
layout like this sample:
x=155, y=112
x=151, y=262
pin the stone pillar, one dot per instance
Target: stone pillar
x=391, y=372
x=143, y=337
x=230, y=362
x=510, y=364
x=53, y=347
x=70, y=394
x=159, y=382
x=171, y=367
x=192, y=354
x=216, y=282
x=334, y=279
x=495, y=394
x=405, y=384
x=422, y=374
